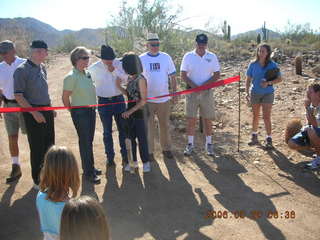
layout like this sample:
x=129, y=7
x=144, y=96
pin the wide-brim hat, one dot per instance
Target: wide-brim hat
x=39, y=44
x=106, y=53
x=152, y=37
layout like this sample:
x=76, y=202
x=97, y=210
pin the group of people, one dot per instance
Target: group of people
x=142, y=79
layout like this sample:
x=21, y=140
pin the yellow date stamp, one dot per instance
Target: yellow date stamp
x=253, y=214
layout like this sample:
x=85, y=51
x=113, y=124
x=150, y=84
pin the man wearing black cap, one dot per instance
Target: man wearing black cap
x=31, y=90
x=105, y=74
x=200, y=67
x=13, y=121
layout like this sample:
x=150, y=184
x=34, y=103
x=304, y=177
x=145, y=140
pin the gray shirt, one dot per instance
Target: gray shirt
x=31, y=80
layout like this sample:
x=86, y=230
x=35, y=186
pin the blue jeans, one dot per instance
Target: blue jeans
x=84, y=120
x=106, y=113
x=136, y=129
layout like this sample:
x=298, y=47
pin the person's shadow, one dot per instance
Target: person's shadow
x=122, y=203
x=174, y=204
x=155, y=206
x=309, y=182
x=236, y=196
x=21, y=216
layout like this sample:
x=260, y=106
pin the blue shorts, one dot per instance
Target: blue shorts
x=302, y=138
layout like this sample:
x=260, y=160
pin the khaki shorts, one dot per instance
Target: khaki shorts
x=262, y=98
x=14, y=121
x=204, y=101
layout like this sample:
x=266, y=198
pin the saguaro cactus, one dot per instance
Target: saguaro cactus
x=229, y=33
x=264, y=32
x=259, y=38
x=298, y=64
x=226, y=30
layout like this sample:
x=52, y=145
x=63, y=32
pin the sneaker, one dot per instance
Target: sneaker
x=188, y=150
x=146, y=167
x=94, y=179
x=167, y=154
x=15, y=173
x=254, y=140
x=127, y=168
x=209, y=149
x=98, y=172
x=269, y=143
x=36, y=187
x=313, y=165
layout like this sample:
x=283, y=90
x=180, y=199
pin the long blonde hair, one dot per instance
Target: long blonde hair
x=83, y=219
x=59, y=174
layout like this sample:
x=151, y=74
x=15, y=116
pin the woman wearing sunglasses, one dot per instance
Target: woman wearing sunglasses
x=79, y=87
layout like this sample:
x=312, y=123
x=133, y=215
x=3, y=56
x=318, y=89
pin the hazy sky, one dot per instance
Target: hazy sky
x=242, y=15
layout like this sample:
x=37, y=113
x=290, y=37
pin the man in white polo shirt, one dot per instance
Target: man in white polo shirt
x=158, y=69
x=13, y=121
x=105, y=73
x=200, y=67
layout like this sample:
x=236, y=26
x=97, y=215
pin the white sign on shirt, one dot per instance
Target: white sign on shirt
x=157, y=69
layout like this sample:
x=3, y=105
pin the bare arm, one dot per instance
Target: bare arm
x=310, y=117
x=265, y=83
x=215, y=77
x=122, y=89
x=275, y=81
x=38, y=116
x=307, y=100
x=173, y=82
x=141, y=102
x=173, y=87
x=248, y=84
x=66, y=98
x=185, y=78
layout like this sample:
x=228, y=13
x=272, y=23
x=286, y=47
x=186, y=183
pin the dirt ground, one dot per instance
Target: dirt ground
x=254, y=194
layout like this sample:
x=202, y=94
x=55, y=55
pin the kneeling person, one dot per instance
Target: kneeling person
x=309, y=137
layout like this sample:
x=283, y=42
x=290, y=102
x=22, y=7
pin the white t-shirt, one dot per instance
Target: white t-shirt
x=6, y=77
x=105, y=80
x=200, y=69
x=157, y=69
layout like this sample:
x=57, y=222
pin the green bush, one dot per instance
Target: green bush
x=69, y=43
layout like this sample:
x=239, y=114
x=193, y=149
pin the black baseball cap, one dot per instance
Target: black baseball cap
x=202, y=38
x=39, y=44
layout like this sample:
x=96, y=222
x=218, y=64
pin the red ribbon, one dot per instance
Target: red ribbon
x=184, y=92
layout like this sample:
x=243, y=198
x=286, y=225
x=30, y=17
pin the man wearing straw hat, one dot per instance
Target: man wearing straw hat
x=158, y=69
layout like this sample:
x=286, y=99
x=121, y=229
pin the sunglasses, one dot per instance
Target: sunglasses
x=84, y=58
x=154, y=44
